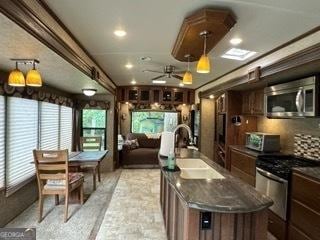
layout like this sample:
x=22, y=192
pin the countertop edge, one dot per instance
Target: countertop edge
x=203, y=207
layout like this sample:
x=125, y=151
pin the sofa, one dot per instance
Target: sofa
x=145, y=155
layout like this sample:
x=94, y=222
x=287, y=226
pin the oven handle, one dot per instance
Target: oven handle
x=271, y=176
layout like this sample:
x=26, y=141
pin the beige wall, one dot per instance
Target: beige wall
x=287, y=128
x=207, y=113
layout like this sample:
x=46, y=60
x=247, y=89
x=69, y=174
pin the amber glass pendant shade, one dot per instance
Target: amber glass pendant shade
x=203, y=65
x=16, y=78
x=33, y=78
x=187, y=78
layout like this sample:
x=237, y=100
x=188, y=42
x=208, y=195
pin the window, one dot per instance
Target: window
x=49, y=126
x=2, y=145
x=22, y=138
x=153, y=122
x=65, y=128
x=94, y=124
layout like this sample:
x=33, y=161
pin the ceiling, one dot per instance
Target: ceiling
x=152, y=27
x=55, y=71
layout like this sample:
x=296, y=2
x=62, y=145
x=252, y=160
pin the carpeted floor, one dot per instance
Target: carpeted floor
x=84, y=221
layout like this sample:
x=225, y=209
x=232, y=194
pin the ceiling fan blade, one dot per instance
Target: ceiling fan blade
x=177, y=76
x=179, y=72
x=151, y=71
x=155, y=78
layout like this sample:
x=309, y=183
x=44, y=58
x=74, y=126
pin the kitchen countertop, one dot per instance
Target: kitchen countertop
x=228, y=195
x=244, y=149
x=313, y=172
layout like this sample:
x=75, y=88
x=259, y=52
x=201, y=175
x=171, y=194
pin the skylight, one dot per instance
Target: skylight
x=238, y=54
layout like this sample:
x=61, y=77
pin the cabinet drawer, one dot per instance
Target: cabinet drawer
x=305, y=219
x=295, y=234
x=243, y=176
x=243, y=162
x=276, y=226
x=306, y=191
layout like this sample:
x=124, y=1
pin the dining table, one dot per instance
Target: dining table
x=90, y=159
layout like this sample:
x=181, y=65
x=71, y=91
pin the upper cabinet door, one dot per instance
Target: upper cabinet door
x=258, y=104
x=144, y=95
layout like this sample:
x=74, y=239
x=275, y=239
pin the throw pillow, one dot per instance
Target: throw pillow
x=132, y=144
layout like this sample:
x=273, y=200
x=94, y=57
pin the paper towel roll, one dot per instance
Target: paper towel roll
x=167, y=143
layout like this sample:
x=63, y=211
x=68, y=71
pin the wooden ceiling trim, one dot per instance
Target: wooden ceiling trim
x=36, y=19
x=217, y=22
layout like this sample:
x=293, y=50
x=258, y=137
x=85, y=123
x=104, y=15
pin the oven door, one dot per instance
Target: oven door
x=274, y=187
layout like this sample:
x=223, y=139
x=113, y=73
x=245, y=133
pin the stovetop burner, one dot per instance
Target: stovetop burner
x=281, y=165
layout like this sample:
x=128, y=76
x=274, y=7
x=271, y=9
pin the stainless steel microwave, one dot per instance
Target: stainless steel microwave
x=298, y=98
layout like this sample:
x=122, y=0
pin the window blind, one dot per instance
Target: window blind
x=49, y=126
x=2, y=143
x=22, y=138
x=66, y=128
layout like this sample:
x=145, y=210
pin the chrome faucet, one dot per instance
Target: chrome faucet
x=189, y=133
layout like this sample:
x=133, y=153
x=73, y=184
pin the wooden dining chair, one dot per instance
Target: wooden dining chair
x=91, y=144
x=54, y=178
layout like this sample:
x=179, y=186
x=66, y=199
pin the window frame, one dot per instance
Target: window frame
x=96, y=128
x=155, y=110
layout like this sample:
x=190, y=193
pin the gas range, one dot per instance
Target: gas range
x=281, y=165
x=273, y=174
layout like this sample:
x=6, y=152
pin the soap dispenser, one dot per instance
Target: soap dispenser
x=171, y=160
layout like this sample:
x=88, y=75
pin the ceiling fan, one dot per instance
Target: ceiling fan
x=168, y=72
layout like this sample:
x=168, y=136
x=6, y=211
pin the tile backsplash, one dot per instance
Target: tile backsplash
x=307, y=146
x=288, y=128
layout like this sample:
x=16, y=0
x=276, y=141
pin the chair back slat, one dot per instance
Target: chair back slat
x=90, y=143
x=58, y=176
x=51, y=165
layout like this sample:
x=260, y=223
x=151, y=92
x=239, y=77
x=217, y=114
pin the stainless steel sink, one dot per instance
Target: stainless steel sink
x=195, y=168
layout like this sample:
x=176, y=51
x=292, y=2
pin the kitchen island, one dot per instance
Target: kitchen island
x=216, y=206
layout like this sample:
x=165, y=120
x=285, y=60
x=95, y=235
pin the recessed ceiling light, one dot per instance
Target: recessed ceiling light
x=133, y=81
x=120, y=33
x=145, y=59
x=159, y=81
x=238, y=54
x=211, y=96
x=129, y=65
x=235, y=41
x=181, y=84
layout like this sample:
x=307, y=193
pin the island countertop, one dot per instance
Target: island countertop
x=228, y=195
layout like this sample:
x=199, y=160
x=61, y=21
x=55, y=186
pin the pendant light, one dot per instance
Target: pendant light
x=187, y=77
x=203, y=65
x=16, y=78
x=34, y=77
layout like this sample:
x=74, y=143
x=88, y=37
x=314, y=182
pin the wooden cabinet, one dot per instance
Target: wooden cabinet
x=277, y=226
x=243, y=166
x=184, y=223
x=253, y=102
x=150, y=95
x=221, y=103
x=305, y=209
